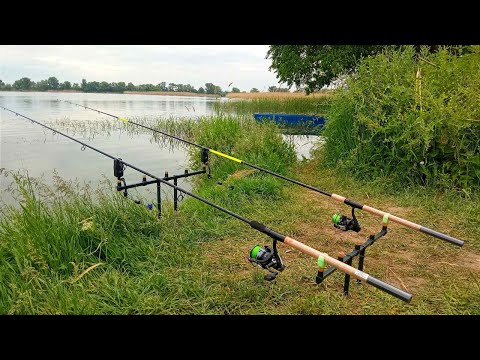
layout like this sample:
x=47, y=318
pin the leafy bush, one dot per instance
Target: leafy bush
x=414, y=119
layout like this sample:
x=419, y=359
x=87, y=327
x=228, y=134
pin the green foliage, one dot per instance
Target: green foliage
x=213, y=89
x=254, y=90
x=67, y=85
x=52, y=83
x=23, y=84
x=410, y=119
x=314, y=66
x=277, y=89
x=235, y=90
x=41, y=85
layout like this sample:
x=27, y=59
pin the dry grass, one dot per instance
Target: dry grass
x=169, y=93
x=275, y=95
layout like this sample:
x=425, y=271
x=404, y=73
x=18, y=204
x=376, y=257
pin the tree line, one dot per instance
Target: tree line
x=53, y=84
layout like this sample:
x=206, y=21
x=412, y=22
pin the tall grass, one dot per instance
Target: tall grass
x=244, y=138
x=287, y=105
x=279, y=96
x=72, y=250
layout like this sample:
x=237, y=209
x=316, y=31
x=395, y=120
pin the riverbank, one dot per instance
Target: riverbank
x=164, y=93
x=96, y=252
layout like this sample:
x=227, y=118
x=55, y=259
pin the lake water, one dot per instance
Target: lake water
x=27, y=146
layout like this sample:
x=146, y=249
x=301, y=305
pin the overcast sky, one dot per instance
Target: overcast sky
x=244, y=65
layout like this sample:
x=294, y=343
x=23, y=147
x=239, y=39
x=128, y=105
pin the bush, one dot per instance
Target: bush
x=412, y=119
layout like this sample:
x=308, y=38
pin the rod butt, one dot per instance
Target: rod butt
x=399, y=294
x=441, y=236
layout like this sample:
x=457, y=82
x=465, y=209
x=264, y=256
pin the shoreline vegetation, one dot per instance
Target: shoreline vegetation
x=168, y=93
x=242, y=96
x=52, y=84
x=164, y=93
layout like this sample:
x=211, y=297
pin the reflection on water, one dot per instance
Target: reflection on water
x=27, y=146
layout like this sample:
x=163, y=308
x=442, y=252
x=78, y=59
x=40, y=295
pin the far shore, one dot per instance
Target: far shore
x=277, y=95
x=164, y=93
x=170, y=93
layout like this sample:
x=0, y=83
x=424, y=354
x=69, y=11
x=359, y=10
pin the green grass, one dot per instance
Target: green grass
x=194, y=261
x=305, y=105
x=411, y=120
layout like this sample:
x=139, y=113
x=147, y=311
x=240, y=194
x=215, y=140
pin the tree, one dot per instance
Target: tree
x=235, y=90
x=23, y=84
x=201, y=90
x=254, y=90
x=314, y=66
x=67, y=85
x=92, y=86
x=84, y=85
x=2, y=85
x=75, y=86
x=209, y=88
x=120, y=87
x=52, y=83
x=131, y=87
x=104, y=87
x=162, y=86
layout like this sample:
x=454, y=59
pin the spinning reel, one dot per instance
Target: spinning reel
x=267, y=259
x=345, y=223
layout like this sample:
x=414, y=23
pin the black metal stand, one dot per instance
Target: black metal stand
x=119, y=167
x=159, y=199
x=359, y=251
x=144, y=182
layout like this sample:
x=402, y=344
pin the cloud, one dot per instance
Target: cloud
x=244, y=65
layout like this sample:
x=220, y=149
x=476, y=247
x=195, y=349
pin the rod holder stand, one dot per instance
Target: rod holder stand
x=359, y=250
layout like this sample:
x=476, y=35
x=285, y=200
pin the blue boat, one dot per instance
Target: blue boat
x=291, y=119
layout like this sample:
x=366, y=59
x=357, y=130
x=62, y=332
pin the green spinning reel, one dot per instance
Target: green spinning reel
x=267, y=259
x=345, y=223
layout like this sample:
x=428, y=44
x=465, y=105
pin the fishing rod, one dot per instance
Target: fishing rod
x=339, y=198
x=256, y=255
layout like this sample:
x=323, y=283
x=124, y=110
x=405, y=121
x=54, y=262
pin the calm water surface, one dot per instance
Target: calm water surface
x=27, y=146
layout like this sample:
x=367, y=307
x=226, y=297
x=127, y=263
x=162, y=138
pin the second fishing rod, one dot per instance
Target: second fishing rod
x=355, y=205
